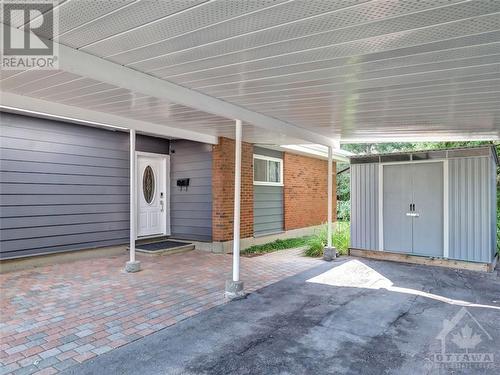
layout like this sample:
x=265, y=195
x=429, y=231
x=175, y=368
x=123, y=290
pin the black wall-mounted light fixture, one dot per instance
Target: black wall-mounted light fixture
x=183, y=183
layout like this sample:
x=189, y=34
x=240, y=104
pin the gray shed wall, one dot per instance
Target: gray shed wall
x=494, y=237
x=471, y=209
x=191, y=210
x=364, y=206
x=268, y=202
x=63, y=186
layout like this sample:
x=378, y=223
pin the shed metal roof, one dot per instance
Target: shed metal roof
x=485, y=150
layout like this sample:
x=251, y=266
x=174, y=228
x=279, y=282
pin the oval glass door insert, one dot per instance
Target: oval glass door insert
x=148, y=184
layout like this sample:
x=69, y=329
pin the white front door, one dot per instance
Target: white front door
x=152, y=195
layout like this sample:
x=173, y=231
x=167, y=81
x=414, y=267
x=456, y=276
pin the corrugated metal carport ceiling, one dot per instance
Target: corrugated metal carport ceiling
x=356, y=70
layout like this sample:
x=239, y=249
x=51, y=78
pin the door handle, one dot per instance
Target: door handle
x=161, y=204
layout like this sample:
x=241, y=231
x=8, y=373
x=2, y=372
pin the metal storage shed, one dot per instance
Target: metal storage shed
x=435, y=204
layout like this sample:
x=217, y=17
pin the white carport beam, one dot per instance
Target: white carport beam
x=42, y=108
x=86, y=65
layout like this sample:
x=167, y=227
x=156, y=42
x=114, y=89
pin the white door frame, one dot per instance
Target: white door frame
x=446, y=207
x=166, y=231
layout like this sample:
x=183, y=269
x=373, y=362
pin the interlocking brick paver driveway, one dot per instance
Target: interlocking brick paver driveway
x=56, y=316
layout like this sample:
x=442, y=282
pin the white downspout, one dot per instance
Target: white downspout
x=132, y=265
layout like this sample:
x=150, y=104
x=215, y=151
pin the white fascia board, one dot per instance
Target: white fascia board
x=41, y=108
x=84, y=64
x=493, y=136
x=338, y=155
x=306, y=151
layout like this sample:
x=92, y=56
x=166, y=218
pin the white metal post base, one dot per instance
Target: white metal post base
x=329, y=253
x=234, y=290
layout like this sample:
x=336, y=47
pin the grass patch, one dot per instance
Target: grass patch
x=341, y=239
x=288, y=243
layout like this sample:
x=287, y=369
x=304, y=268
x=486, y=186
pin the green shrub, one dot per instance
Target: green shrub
x=316, y=243
x=276, y=245
x=344, y=210
x=340, y=239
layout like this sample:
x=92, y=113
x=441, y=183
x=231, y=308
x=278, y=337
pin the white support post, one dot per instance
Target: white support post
x=330, y=252
x=234, y=287
x=237, y=203
x=132, y=265
x=330, y=198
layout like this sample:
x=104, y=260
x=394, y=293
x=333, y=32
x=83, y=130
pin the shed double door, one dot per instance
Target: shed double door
x=413, y=214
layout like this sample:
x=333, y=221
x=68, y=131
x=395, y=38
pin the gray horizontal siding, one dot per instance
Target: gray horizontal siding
x=63, y=186
x=191, y=210
x=61, y=210
x=36, y=166
x=471, y=206
x=268, y=209
x=364, y=206
x=267, y=202
x=50, y=220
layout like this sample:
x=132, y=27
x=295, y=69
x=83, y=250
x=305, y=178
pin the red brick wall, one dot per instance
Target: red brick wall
x=223, y=190
x=305, y=191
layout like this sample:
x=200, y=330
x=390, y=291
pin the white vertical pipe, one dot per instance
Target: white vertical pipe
x=133, y=196
x=330, y=197
x=237, y=195
x=446, y=209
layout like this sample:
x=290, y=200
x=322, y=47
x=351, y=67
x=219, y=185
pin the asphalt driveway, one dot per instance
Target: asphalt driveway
x=353, y=316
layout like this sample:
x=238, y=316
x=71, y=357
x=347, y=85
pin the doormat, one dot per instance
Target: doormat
x=163, y=245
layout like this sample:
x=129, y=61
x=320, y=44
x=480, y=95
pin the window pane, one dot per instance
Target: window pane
x=260, y=170
x=148, y=184
x=274, y=171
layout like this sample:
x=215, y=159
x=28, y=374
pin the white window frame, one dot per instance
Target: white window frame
x=268, y=158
